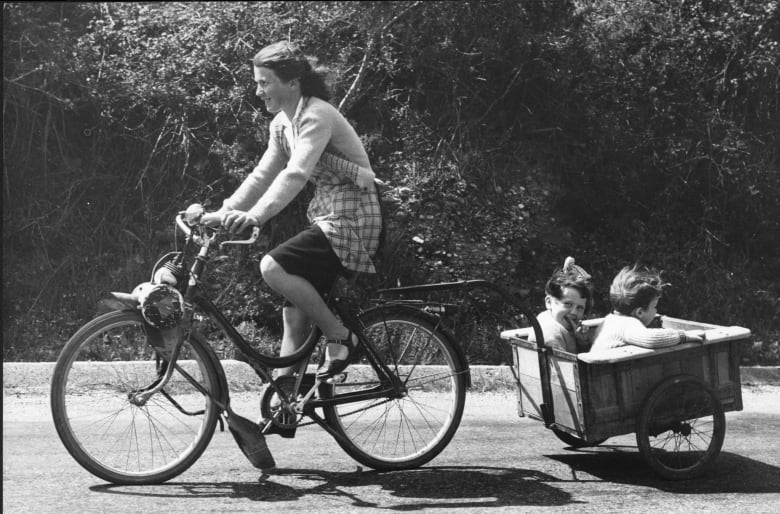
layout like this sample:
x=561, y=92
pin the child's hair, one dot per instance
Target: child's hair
x=635, y=287
x=571, y=275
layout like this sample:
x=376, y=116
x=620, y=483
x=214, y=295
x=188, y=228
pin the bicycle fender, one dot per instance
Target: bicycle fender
x=118, y=302
x=439, y=323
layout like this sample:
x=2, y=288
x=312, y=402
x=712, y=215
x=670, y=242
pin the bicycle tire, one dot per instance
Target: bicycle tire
x=681, y=428
x=108, y=434
x=402, y=433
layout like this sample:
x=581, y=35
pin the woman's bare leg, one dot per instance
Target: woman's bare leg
x=296, y=325
x=309, y=306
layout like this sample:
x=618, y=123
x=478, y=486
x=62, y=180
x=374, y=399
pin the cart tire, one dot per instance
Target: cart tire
x=574, y=441
x=681, y=428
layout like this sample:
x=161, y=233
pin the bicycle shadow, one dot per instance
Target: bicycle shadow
x=731, y=473
x=434, y=487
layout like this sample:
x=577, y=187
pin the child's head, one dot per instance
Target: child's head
x=635, y=292
x=569, y=293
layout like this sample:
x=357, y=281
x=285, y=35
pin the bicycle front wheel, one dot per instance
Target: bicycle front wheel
x=100, y=418
x=403, y=432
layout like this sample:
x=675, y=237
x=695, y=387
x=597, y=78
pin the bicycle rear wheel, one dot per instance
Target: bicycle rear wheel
x=105, y=429
x=403, y=432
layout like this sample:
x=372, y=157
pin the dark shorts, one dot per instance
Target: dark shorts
x=310, y=256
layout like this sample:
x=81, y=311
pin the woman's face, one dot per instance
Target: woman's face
x=570, y=309
x=277, y=94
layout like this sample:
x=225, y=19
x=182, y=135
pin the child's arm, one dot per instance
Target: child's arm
x=658, y=337
x=654, y=337
x=584, y=337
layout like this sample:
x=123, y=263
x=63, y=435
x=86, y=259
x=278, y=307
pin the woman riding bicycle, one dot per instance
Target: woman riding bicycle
x=309, y=141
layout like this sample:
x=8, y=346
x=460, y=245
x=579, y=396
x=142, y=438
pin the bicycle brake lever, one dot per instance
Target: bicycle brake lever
x=252, y=239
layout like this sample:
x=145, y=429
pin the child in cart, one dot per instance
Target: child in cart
x=634, y=296
x=568, y=297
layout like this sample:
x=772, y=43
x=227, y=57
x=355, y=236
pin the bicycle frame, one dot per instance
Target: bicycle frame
x=389, y=387
x=260, y=362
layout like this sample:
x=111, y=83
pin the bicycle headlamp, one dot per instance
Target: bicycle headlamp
x=162, y=305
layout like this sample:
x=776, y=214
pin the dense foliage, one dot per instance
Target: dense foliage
x=511, y=133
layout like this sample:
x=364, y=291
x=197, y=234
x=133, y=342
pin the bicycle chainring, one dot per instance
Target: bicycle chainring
x=271, y=408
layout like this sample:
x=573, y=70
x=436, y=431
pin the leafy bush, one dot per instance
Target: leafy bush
x=511, y=133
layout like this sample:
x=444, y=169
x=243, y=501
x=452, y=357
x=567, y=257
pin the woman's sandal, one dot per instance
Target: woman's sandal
x=331, y=367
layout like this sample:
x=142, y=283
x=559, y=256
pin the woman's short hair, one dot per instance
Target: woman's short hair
x=635, y=287
x=289, y=62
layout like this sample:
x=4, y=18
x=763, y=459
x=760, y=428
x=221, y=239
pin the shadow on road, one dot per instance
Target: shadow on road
x=732, y=473
x=435, y=487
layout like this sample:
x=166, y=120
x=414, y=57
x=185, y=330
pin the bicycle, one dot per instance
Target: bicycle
x=138, y=391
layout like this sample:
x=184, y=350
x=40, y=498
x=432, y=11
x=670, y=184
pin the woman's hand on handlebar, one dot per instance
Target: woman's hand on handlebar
x=237, y=221
x=212, y=219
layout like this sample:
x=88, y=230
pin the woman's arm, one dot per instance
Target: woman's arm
x=313, y=137
x=257, y=182
x=363, y=177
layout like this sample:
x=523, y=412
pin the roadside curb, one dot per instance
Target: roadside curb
x=35, y=377
x=760, y=375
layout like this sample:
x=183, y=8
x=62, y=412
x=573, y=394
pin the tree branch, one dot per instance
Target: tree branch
x=348, y=99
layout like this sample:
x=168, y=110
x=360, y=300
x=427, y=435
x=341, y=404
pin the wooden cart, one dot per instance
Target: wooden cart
x=673, y=398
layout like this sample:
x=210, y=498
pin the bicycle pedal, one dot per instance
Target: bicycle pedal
x=337, y=379
x=269, y=428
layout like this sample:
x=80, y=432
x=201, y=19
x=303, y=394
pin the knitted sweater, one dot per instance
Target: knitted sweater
x=619, y=330
x=555, y=334
x=317, y=145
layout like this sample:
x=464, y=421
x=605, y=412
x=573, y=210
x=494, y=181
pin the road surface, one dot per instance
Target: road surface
x=496, y=462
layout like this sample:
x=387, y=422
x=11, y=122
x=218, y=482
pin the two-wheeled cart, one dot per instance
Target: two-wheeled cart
x=673, y=398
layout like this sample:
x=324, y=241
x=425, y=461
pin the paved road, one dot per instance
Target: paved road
x=496, y=461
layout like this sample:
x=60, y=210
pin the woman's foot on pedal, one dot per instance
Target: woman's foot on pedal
x=337, y=355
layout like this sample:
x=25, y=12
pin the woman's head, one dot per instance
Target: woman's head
x=288, y=63
x=635, y=292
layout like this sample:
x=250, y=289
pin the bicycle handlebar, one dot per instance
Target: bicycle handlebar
x=196, y=215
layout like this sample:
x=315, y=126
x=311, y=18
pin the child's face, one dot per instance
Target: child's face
x=570, y=309
x=646, y=316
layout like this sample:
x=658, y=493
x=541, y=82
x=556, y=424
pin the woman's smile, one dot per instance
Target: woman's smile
x=276, y=94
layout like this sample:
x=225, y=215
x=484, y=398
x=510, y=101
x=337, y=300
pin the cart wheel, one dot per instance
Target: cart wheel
x=574, y=441
x=681, y=428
